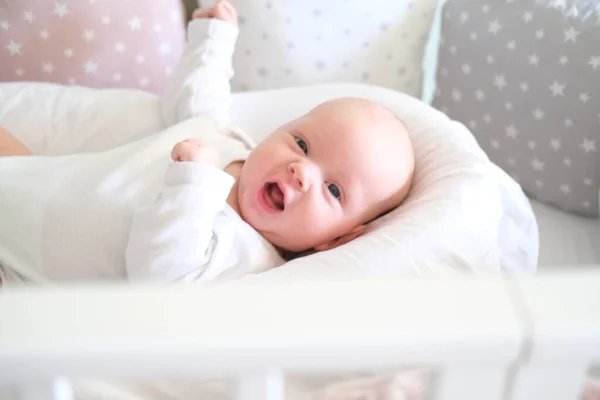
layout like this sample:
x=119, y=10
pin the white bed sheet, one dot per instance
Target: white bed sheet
x=566, y=239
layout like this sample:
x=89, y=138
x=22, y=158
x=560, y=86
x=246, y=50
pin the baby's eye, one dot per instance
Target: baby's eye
x=334, y=190
x=302, y=144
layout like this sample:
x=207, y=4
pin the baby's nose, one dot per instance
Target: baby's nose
x=301, y=176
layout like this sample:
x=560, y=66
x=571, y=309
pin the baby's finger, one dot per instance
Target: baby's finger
x=221, y=13
x=195, y=142
x=221, y=7
x=203, y=13
x=230, y=9
x=227, y=13
x=176, y=153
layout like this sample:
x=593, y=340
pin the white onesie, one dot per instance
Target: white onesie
x=131, y=213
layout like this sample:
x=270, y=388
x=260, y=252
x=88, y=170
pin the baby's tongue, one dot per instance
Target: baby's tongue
x=277, y=197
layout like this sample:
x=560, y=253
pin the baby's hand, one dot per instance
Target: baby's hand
x=194, y=150
x=10, y=146
x=222, y=10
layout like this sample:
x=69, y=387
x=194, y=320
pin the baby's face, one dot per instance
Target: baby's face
x=314, y=181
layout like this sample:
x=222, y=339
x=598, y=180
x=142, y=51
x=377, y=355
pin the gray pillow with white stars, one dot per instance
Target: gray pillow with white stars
x=525, y=78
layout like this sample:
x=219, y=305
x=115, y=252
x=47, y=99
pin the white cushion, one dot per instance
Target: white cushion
x=290, y=42
x=463, y=213
x=566, y=239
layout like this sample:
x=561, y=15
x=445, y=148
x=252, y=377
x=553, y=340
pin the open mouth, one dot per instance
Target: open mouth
x=273, y=196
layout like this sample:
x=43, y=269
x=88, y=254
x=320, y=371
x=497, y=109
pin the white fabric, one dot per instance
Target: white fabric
x=289, y=43
x=71, y=217
x=463, y=214
x=460, y=216
x=566, y=239
x=66, y=120
x=200, y=83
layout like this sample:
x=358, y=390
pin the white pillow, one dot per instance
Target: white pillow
x=290, y=42
x=463, y=213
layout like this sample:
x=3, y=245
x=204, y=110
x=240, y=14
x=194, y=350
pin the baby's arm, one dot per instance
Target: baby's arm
x=200, y=84
x=10, y=146
x=172, y=239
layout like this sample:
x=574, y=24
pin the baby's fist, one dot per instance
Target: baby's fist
x=194, y=150
x=222, y=10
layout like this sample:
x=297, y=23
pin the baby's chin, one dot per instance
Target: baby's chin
x=284, y=242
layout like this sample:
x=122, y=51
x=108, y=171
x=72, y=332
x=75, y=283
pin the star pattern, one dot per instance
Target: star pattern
x=534, y=59
x=512, y=132
x=90, y=67
x=537, y=164
x=48, y=67
x=542, y=76
x=14, y=48
x=456, y=95
x=494, y=27
x=164, y=49
x=135, y=24
x=566, y=189
x=589, y=145
x=571, y=35
x=89, y=35
x=557, y=89
x=89, y=42
x=61, y=9
x=29, y=16
x=500, y=81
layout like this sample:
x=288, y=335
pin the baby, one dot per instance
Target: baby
x=221, y=207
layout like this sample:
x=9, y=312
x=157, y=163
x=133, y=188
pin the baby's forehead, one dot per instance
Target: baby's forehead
x=355, y=127
x=353, y=111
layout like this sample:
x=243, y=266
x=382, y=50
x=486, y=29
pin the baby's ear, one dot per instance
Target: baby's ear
x=345, y=238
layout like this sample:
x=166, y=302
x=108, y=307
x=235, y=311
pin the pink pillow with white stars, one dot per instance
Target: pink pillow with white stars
x=95, y=43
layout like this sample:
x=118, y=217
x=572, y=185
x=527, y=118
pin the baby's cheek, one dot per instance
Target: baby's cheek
x=316, y=223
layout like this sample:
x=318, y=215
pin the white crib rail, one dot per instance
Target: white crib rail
x=492, y=338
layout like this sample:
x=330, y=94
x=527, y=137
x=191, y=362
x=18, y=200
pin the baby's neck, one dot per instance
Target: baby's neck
x=234, y=169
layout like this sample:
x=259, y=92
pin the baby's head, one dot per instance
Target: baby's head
x=316, y=181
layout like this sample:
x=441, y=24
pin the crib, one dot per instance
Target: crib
x=502, y=338
x=485, y=338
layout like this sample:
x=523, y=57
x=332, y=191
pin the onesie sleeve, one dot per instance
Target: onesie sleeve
x=172, y=238
x=200, y=84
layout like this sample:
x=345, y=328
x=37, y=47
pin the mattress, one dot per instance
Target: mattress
x=566, y=239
